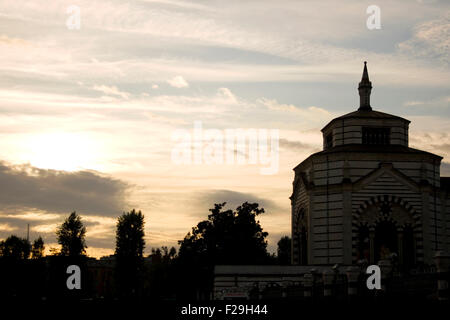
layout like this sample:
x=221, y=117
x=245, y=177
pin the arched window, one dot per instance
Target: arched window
x=386, y=241
x=303, y=247
x=301, y=238
x=363, y=244
x=386, y=231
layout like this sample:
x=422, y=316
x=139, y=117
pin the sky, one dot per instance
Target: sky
x=104, y=105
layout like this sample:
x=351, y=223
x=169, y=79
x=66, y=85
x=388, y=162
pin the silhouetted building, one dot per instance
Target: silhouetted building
x=369, y=196
x=101, y=282
x=245, y=282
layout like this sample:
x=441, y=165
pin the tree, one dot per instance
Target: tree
x=54, y=251
x=227, y=237
x=130, y=234
x=71, y=236
x=130, y=246
x=162, y=274
x=38, y=248
x=163, y=254
x=284, y=250
x=15, y=247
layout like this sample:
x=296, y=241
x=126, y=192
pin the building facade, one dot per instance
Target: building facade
x=369, y=196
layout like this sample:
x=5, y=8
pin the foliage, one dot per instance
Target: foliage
x=227, y=237
x=15, y=247
x=163, y=254
x=37, y=250
x=71, y=236
x=130, y=246
x=162, y=282
x=284, y=250
x=130, y=234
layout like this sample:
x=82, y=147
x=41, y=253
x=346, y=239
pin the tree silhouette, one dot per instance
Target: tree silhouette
x=163, y=254
x=37, y=251
x=15, y=247
x=284, y=250
x=162, y=274
x=130, y=246
x=54, y=251
x=227, y=237
x=71, y=236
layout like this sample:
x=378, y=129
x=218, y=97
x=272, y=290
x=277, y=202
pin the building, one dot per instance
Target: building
x=369, y=196
x=250, y=282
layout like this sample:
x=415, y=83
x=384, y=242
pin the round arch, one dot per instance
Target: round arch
x=394, y=215
x=300, y=237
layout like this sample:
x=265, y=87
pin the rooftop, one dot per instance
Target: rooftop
x=379, y=149
x=365, y=111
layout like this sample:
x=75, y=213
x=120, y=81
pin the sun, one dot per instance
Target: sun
x=62, y=151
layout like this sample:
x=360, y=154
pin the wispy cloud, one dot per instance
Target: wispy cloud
x=436, y=103
x=178, y=82
x=5, y=227
x=111, y=90
x=431, y=40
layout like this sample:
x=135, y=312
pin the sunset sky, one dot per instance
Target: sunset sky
x=87, y=116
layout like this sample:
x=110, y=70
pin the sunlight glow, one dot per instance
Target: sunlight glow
x=62, y=151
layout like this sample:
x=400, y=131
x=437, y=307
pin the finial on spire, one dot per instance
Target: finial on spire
x=365, y=88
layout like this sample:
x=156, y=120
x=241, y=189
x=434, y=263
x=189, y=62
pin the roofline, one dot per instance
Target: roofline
x=334, y=150
x=359, y=117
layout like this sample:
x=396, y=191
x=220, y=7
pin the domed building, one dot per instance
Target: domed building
x=367, y=195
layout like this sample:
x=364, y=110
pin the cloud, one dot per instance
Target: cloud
x=45, y=228
x=5, y=227
x=431, y=39
x=112, y=90
x=26, y=187
x=35, y=215
x=442, y=102
x=221, y=27
x=427, y=1
x=435, y=142
x=296, y=145
x=234, y=199
x=445, y=169
x=180, y=4
x=178, y=82
x=274, y=105
x=4, y=39
x=413, y=103
x=310, y=115
x=43, y=198
x=227, y=95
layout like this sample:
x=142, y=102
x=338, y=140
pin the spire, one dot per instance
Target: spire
x=364, y=89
